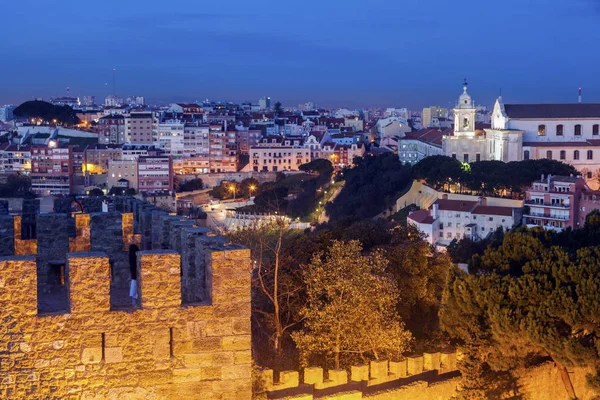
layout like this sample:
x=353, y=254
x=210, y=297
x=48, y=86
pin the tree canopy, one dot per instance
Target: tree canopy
x=370, y=186
x=535, y=294
x=47, y=112
x=191, y=185
x=349, y=313
x=487, y=177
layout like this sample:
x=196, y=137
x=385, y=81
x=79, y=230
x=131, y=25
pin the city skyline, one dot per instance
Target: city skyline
x=380, y=55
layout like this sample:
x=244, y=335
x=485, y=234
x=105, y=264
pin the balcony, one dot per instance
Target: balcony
x=549, y=217
x=556, y=205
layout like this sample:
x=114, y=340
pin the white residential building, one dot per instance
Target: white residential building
x=447, y=220
x=170, y=137
x=278, y=154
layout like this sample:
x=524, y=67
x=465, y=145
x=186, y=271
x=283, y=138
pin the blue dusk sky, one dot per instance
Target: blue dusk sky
x=354, y=53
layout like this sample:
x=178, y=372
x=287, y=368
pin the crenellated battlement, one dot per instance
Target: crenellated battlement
x=378, y=379
x=97, y=345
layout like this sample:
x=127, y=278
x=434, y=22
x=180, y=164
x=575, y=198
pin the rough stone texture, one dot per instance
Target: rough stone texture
x=82, y=240
x=62, y=205
x=129, y=238
x=146, y=226
x=106, y=232
x=176, y=227
x=380, y=380
x=164, y=231
x=52, y=246
x=3, y=207
x=157, y=227
x=23, y=247
x=159, y=351
x=192, y=279
x=93, y=205
x=7, y=235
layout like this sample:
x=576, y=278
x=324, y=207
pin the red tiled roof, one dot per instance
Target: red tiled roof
x=493, y=210
x=456, y=205
x=421, y=217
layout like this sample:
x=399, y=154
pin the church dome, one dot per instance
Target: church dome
x=465, y=101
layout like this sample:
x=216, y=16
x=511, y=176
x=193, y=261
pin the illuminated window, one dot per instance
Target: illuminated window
x=541, y=130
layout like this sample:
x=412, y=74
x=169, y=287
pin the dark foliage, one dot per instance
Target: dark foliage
x=191, y=185
x=371, y=186
x=533, y=295
x=16, y=186
x=493, y=178
x=47, y=112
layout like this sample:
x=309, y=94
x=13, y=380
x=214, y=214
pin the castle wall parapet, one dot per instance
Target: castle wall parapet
x=426, y=374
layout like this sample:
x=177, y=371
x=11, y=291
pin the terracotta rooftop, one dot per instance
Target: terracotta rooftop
x=421, y=217
x=456, y=205
x=493, y=210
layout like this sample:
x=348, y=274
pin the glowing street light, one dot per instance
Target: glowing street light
x=232, y=190
x=251, y=189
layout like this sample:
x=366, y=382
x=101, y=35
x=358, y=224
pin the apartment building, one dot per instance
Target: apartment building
x=553, y=202
x=155, y=174
x=15, y=159
x=276, y=153
x=223, y=152
x=51, y=170
x=447, y=220
x=97, y=157
x=196, y=141
x=141, y=127
x=111, y=129
x=122, y=169
x=170, y=137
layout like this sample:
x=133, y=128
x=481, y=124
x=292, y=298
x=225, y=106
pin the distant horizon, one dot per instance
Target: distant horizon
x=351, y=54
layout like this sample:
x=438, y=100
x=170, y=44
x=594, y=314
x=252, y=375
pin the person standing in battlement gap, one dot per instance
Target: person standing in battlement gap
x=133, y=292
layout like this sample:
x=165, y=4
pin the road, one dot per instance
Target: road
x=324, y=218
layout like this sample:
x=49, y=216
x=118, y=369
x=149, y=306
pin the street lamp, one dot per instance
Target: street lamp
x=232, y=190
x=251, y=189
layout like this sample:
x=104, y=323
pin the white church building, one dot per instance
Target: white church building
x=564, y=132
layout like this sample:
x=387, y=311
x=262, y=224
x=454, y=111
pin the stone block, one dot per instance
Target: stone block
x=223, y=358
x=359, y=373
x=91, y=355
x=89, y=282
x=240, y=342
x=313, y=375
x=243, y=357
x=447, y=362
x=113, y=354
x=287, y=379
x=241, y=371
x=398, y=369
x=159, y=283
x=431, y=361
x=18, y=286
x=212, y=373
x=414, y=365
x=335, y=377
x=195, y=360
x=379, y=369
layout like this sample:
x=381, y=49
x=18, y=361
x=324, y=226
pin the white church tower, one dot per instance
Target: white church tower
x=464, y=115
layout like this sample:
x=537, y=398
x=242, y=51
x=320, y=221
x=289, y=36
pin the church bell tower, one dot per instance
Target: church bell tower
x=464, y=114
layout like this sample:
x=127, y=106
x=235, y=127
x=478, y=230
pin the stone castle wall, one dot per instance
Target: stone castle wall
x=179, y=342
x=426, y=376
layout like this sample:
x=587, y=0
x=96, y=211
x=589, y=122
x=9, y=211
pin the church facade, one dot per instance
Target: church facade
x=566, y=132
x=468, y=144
